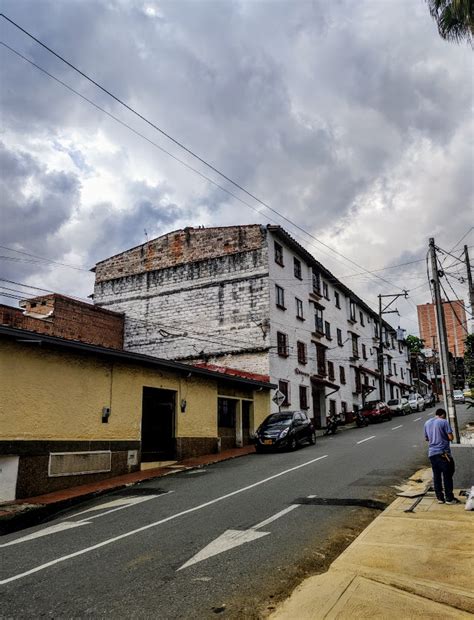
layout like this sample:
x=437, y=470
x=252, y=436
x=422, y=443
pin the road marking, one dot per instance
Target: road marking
x=122, y=503
x=366, y=439
x=67, y=525
x=109, y=541
x=53, y=529
x=395, y=427
x=233, y=538
x=226, y=541
x=416, y=419
x=275, y=517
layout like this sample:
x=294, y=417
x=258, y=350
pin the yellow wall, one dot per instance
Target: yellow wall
x=46, y=394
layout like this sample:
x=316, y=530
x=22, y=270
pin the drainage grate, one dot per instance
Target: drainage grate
x=336, y=501
x=138, y=491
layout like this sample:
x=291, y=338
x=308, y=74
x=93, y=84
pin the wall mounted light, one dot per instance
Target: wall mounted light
x=183, y=405
x=105, y=415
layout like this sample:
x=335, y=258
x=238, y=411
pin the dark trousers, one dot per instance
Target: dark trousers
x=443, y=472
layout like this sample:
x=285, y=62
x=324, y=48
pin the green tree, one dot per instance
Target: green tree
x=455, y=19
x=469, y=360
x=415, y=344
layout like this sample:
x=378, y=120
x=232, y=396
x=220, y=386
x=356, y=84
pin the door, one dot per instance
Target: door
x=319, y=409
x=226, y=418
x=246, y=405
x=158, y=416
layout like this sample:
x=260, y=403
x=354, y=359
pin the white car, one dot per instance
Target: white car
x=416, y=402
x=458, y=396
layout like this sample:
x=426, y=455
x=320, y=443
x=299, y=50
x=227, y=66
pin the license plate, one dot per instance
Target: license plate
x=267, y=442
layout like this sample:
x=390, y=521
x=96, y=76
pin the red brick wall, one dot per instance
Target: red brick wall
x=71, y=319
x=454, y=328
x=179, y=247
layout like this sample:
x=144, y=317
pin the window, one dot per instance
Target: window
x=327, y=329
x=332, y=407
x=303, y=397
x=278, y=254
x=342, y=375
x=358, y=385
x=376, y=330
x=282, y=344
x=395, y=369
x=389, y=365
x=401, y=374
x=297, y=268
x=325, y=290
x=361, y=317
x=299, y=308
x=392, y=341
x=316, y=283
x=302, y=356
x=280, y=297
x=352, y=311
x=355, y=345
x=330, y=371
x=364, y=352
x=400, y=346
x=284, y=388
x=321, y=360
x=339, y=337
x=337, y=299
x=226, y=412
x=318, y=320
x=344, y=407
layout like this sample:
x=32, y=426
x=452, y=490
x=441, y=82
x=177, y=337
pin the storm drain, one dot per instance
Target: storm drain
x=138, y=491
x=336, y=501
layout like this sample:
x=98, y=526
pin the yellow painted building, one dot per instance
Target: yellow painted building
x=73, y=413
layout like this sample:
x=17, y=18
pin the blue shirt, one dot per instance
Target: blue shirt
x=436, y=432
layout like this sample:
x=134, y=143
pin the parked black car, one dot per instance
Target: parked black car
x=284, y=430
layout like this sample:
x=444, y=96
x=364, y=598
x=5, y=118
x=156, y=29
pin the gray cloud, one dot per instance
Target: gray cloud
x=341, y=115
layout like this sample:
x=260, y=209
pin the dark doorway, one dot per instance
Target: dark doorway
x=226, y=409
x=158, y=412
x=317, y=396
x=246, y=405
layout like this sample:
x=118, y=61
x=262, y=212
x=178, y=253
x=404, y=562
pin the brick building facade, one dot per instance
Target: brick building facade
x=456, y=326
x=64, y=317
x=251, y=297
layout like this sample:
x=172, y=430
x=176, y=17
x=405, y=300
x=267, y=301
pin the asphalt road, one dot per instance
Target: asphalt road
x=220, y=540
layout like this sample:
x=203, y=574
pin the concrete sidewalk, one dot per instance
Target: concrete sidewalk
x=26, y=512
x=403, y=565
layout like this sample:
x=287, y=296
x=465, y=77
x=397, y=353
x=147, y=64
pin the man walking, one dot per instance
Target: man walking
x=438, y=434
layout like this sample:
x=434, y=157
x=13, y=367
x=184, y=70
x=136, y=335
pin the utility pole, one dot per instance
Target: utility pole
x=443, y=344
x=469, y=280
x=382, y=311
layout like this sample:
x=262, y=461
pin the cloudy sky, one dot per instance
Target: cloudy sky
x=351, y=119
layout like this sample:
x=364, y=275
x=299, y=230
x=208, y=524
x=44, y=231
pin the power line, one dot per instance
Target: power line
x=182, y=146
x=49, y=260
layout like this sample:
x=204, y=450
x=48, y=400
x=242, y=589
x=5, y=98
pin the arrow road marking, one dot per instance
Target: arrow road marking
x=53, y=529
x=233, y=538
x=143, y=528
x=126, y=502
x=366, y=439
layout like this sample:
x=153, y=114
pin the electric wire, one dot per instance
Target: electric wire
x=182, y=146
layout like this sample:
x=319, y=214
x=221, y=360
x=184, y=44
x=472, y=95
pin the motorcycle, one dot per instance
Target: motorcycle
x=332, y=422
x=360, y=420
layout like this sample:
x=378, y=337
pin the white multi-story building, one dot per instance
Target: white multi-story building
x=251, y=297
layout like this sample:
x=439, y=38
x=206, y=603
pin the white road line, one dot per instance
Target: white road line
x=156, y=523
x=52, y=529
x=366, y=439
x=395, y=427
x=130, y=501
x=416, y=419
x=275, y=517
x=138, y=500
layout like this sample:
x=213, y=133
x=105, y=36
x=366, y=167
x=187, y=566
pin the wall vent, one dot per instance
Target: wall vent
x=78, y=463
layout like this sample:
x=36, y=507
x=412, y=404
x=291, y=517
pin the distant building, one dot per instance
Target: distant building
x=456, y=326
x=251, y=297
x=65, y=317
